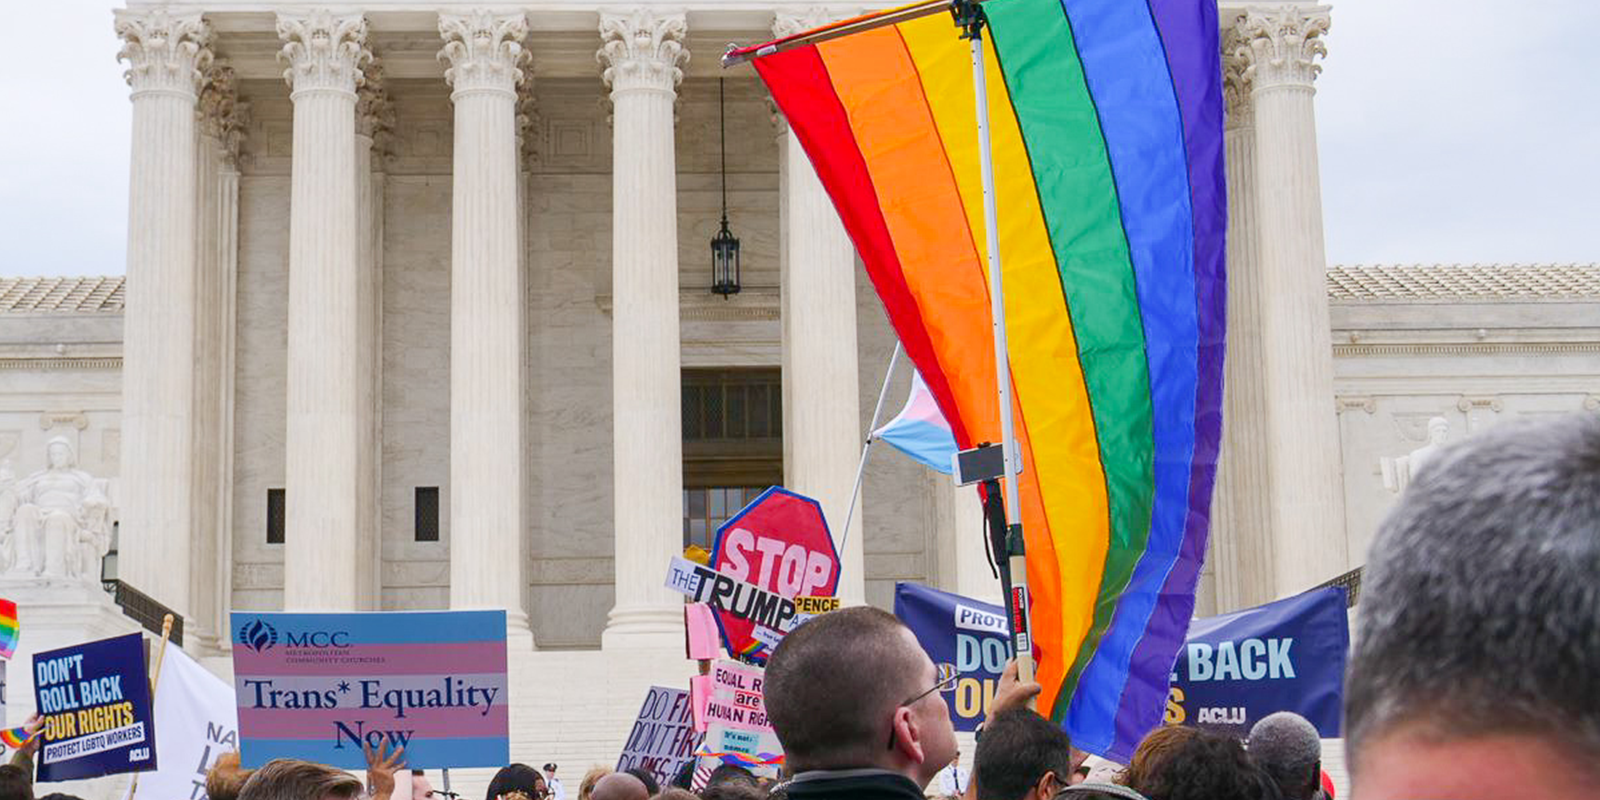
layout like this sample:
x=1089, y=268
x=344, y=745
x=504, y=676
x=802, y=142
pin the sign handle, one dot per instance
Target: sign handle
x=155, y=680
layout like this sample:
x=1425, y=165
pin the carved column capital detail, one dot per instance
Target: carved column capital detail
x=325, y=51
x=643, y=50
x=222, y=115
x=787, y=22
x=1235, y=79
x=1282, y=44
x=528, y=134
x=374, y=111
x=165, y=52
x=484, y=50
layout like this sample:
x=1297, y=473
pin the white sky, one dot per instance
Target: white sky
x=1450, y=131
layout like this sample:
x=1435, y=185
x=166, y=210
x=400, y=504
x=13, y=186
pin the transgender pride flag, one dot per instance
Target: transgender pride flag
x=919, y=430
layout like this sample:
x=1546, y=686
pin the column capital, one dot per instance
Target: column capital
x=165, y=52
x=791, y=20
x=222, y=116
x=1280, y=44
x=643, y=50
x=527, y=125
x=484, y=50
x=374, y=111
x=325, y=51
x=1235, y=79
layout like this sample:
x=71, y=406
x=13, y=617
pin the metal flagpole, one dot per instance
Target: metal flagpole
x=969, y=15
x=861, y=466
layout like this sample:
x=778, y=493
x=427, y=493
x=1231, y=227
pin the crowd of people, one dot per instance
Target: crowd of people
x=1475, y=673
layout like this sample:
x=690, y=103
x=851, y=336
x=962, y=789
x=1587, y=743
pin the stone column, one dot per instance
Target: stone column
x=642, y=52
x=211, y=496
x=822, y=424
x=374, y=118
x=1239, y=569
x=166, y=56
x=487, y=549
x=1306, y=495
x=323, y=566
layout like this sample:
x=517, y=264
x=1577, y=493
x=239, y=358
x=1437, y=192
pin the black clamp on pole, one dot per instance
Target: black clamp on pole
x=969, y=18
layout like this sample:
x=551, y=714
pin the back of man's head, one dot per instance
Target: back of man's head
x=620, y=786
x=1288, y=747
x=1480, y=619
x=1017, y=750
x=226, y=778
x=292, y=779
x=832, y=685
x=15, y=783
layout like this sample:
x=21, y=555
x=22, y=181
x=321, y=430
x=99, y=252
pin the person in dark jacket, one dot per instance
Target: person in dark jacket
x=856, y=703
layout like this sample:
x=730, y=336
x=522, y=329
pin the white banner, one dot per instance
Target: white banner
x=196, y=720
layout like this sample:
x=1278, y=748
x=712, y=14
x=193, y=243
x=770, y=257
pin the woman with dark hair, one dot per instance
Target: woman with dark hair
x=1174, y=763
x=516, y=779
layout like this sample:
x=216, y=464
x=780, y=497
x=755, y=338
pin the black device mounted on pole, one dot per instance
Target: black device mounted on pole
x=984, y=464
x=969, y=18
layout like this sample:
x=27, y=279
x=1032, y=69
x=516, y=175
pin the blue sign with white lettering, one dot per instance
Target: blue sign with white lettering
x=1287, y=655
x=94, y=703
x=962, y=632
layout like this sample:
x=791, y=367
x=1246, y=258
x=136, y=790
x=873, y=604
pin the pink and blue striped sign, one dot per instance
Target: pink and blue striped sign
x=318, y=686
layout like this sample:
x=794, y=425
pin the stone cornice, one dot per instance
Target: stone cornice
x=1365, y=350
x=325, y=52
x=642, y=50
x=166, y=52
x=484, y=51
x=1280, y=44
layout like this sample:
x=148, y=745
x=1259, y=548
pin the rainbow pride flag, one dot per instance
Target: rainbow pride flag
x=9, y=629
x=1106, y=125
x=15, y=738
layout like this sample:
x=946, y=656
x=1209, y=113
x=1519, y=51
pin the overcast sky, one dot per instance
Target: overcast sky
x=1461, y=131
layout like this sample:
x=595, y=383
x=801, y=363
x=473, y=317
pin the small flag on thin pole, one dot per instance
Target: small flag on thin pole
x=8, y=629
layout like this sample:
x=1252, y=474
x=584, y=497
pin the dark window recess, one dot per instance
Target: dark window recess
x=732, y=444
x=426, y=524
x=274, y=516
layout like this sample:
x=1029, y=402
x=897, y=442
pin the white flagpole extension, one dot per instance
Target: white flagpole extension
x=1022, y=637
x=861, y=466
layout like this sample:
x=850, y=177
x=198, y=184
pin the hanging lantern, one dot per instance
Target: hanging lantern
x=724, y=246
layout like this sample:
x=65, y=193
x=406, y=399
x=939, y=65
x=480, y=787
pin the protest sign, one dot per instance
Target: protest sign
x=663, y=737
x=965, y=633
x=780, y=544
x=198, y=723
x=758, y=751
x=318, y=686
x=700, y=632
x=722, y=594
x=1288, y=655
x=735, y=699
x=94, y=700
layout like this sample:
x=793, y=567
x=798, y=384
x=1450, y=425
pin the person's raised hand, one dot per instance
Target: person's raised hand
x=1011, y=693
x=381, y=769
x=34, y=740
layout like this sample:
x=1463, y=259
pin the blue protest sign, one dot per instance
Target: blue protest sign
x=319, y=686
x=962, y=632
x=1287, y=655
x=94, y=700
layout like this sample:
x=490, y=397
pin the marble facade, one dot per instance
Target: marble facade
x=370, y=275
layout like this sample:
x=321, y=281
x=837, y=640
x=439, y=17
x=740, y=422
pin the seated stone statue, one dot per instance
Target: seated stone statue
x=55, y=522
x=1398, y=472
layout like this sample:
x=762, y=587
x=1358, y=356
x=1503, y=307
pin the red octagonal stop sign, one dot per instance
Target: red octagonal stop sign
x=780, y=542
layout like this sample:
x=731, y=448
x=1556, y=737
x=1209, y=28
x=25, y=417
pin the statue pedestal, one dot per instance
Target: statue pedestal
x=54, y=613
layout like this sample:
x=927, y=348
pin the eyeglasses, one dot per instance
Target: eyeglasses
x=945, y=676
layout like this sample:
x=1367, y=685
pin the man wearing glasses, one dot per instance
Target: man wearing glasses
x=855, y=702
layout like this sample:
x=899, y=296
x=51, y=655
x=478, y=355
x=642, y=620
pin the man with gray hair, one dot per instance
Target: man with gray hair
x=1476, y=666
x=1288, y=747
